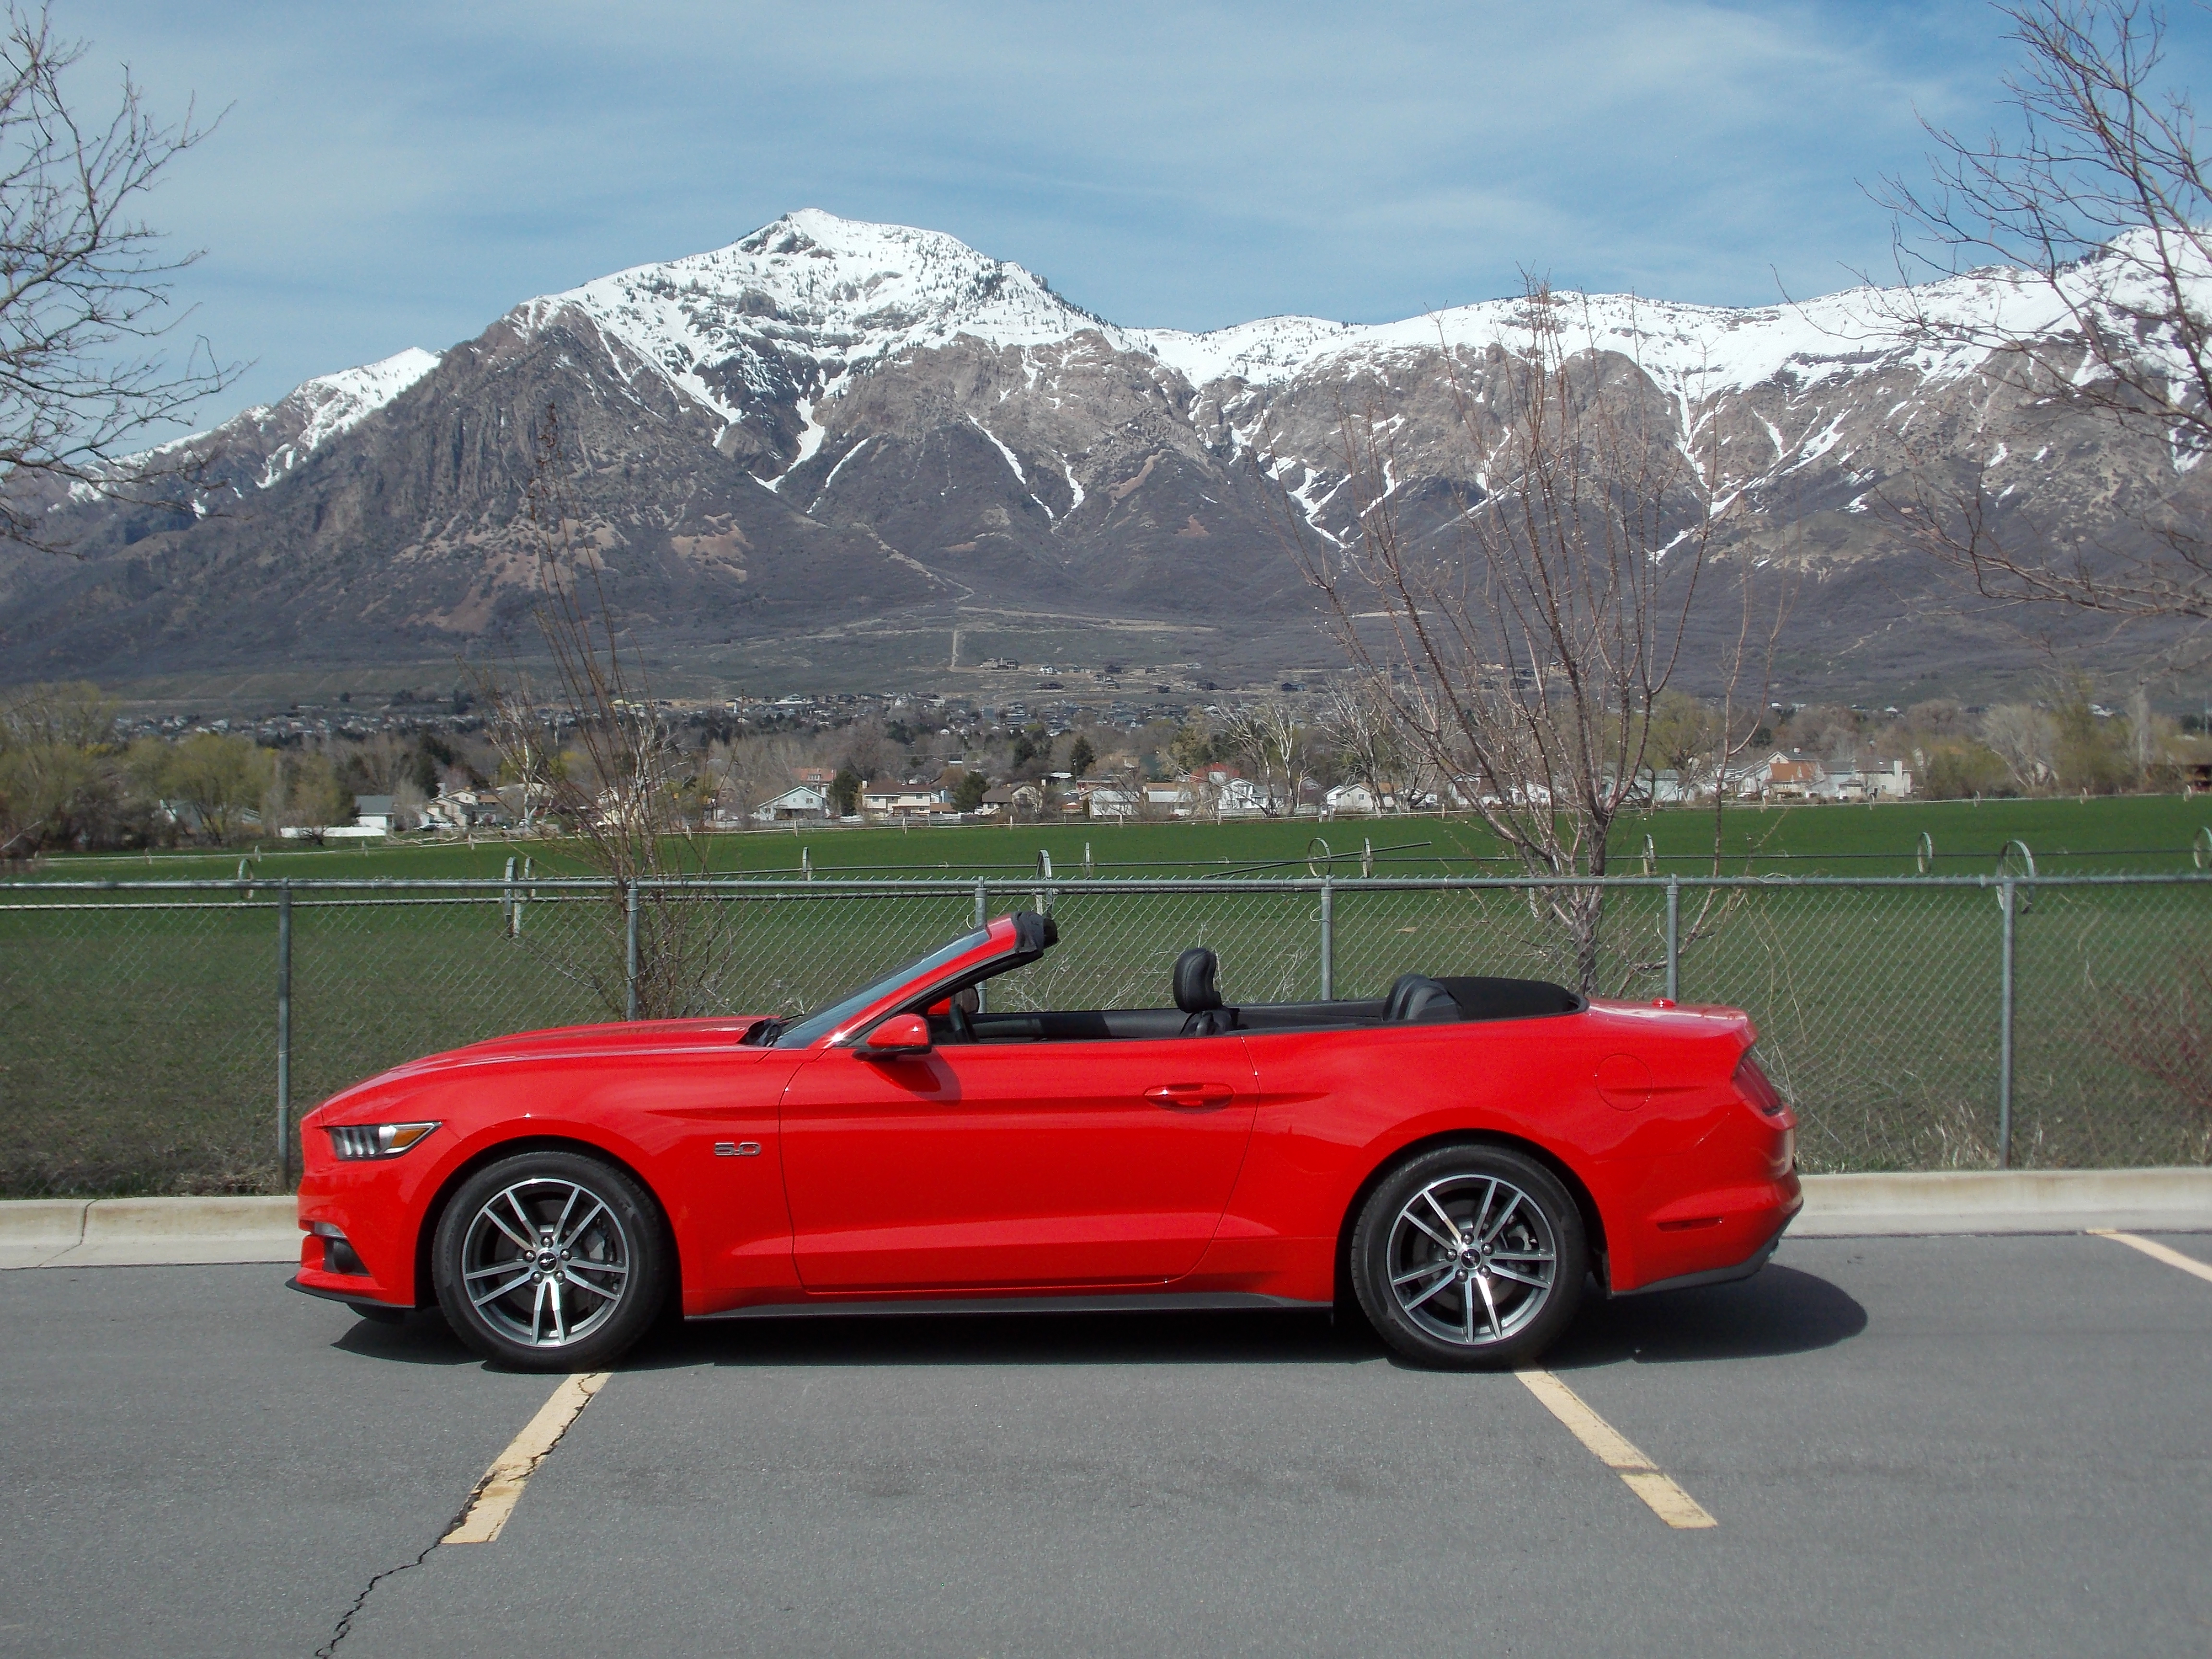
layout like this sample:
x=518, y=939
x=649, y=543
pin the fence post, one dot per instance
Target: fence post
x=284, y=1031
x=1327, y=939
x=982, y=903
x=2005, y=900
x=629, y=930
x=1674, y=937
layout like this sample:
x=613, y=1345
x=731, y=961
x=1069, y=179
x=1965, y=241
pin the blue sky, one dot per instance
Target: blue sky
x=399, y=173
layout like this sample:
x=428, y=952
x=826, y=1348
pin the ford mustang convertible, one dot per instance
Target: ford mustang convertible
x=1458, y=1160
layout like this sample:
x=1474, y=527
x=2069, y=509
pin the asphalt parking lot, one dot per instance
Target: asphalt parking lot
x=1960, y=1445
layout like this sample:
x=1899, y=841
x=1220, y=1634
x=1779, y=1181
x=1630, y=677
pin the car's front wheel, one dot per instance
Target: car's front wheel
x=549, y=1261
x=1470, y=1256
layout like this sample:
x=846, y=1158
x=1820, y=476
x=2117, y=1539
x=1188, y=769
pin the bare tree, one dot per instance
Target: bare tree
x=2101, y=205
x=1523, y=654
x=1266, y=734
x=84, y=287
x=609, y=768
x=2026, y=739
x=1364, y=739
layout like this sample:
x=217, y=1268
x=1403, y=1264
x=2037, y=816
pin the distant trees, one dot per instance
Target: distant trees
x=1032, y=750
x=219, y=776
x=59, y=779
x=304, y=793
x=66, y=779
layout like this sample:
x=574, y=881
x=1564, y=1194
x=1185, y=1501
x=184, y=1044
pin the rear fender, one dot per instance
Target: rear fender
x=1592, y=1220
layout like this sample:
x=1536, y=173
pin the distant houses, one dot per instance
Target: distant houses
x=1785, y=775
x=467, y=808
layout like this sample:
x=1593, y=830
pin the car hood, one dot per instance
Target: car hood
x=582, y=1042
x=564, y=1044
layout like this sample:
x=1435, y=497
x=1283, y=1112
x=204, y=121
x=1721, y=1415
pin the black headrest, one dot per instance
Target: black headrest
x=1412, y=994
x=1194, y=991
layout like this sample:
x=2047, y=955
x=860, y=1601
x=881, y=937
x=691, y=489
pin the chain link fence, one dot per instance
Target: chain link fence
x=165, y=1037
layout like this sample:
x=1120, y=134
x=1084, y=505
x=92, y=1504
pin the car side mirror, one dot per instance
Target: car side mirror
x=903, y=1036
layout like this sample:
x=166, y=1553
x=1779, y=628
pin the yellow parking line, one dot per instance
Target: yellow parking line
x=2156, y=1251
x=1611, y=1448
x=497, y=1493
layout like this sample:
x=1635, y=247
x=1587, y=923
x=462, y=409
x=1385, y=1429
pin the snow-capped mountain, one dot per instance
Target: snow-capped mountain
x=833, y=444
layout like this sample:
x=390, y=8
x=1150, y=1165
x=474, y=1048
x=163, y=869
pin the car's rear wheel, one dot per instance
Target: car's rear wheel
x=550, y=1260
x=1470, y=1256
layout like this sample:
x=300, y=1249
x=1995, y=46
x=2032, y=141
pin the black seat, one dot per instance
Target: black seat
x=1197, y=995
x=1416, y=999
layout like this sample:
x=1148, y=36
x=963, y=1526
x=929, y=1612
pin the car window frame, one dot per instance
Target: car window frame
x=867, y=1007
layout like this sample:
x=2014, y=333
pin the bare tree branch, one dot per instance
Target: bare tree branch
x=1521, y=654
x=2098, y=212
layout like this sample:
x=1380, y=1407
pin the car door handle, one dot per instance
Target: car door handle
x=1189, y=1096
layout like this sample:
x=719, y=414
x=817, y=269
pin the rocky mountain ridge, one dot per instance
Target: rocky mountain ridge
x=834, y=444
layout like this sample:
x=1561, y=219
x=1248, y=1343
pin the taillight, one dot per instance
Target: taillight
x=1752, y=1085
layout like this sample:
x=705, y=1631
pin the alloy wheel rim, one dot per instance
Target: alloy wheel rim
x=1472, y=1259
x=545, y=1262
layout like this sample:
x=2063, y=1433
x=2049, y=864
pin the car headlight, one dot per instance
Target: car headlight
x=352, y=1141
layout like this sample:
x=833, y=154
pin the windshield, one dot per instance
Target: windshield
x=816, y=1026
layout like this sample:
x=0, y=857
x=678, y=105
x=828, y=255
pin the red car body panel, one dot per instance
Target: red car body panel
x=1225, y=1165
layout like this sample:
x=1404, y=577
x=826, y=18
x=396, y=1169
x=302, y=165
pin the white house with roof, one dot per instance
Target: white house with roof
x=888, y=800
x=1109, y=800
x=801, y=801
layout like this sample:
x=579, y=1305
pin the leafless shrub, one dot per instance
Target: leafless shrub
x=1521, y=656
x=601, y=763
x=2166, y=1034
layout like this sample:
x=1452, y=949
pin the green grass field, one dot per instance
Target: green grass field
x=2140, y=832
x=137, y=1042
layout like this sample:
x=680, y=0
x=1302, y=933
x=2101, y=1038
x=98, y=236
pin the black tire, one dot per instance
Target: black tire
x=589, y=1290
x=1445, y=1291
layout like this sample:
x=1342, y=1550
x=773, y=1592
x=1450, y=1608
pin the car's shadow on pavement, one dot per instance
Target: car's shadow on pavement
x=418, y=1339
x=1265, y=1337
x=1778, y=1310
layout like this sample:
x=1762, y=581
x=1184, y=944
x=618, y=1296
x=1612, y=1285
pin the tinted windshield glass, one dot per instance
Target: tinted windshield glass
x=818, y=1025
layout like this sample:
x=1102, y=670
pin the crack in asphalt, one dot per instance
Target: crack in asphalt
x=343, y=1628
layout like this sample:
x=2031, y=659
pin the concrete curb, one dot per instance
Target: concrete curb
x=144, y=1233
x=2171, y=1200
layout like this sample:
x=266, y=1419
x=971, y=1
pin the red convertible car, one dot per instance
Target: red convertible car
x=1458, y=1159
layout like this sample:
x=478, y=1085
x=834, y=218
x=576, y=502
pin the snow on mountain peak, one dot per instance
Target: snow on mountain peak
x=338, y=401
x=842, y=292
x=839, y=291
x=333, y=404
